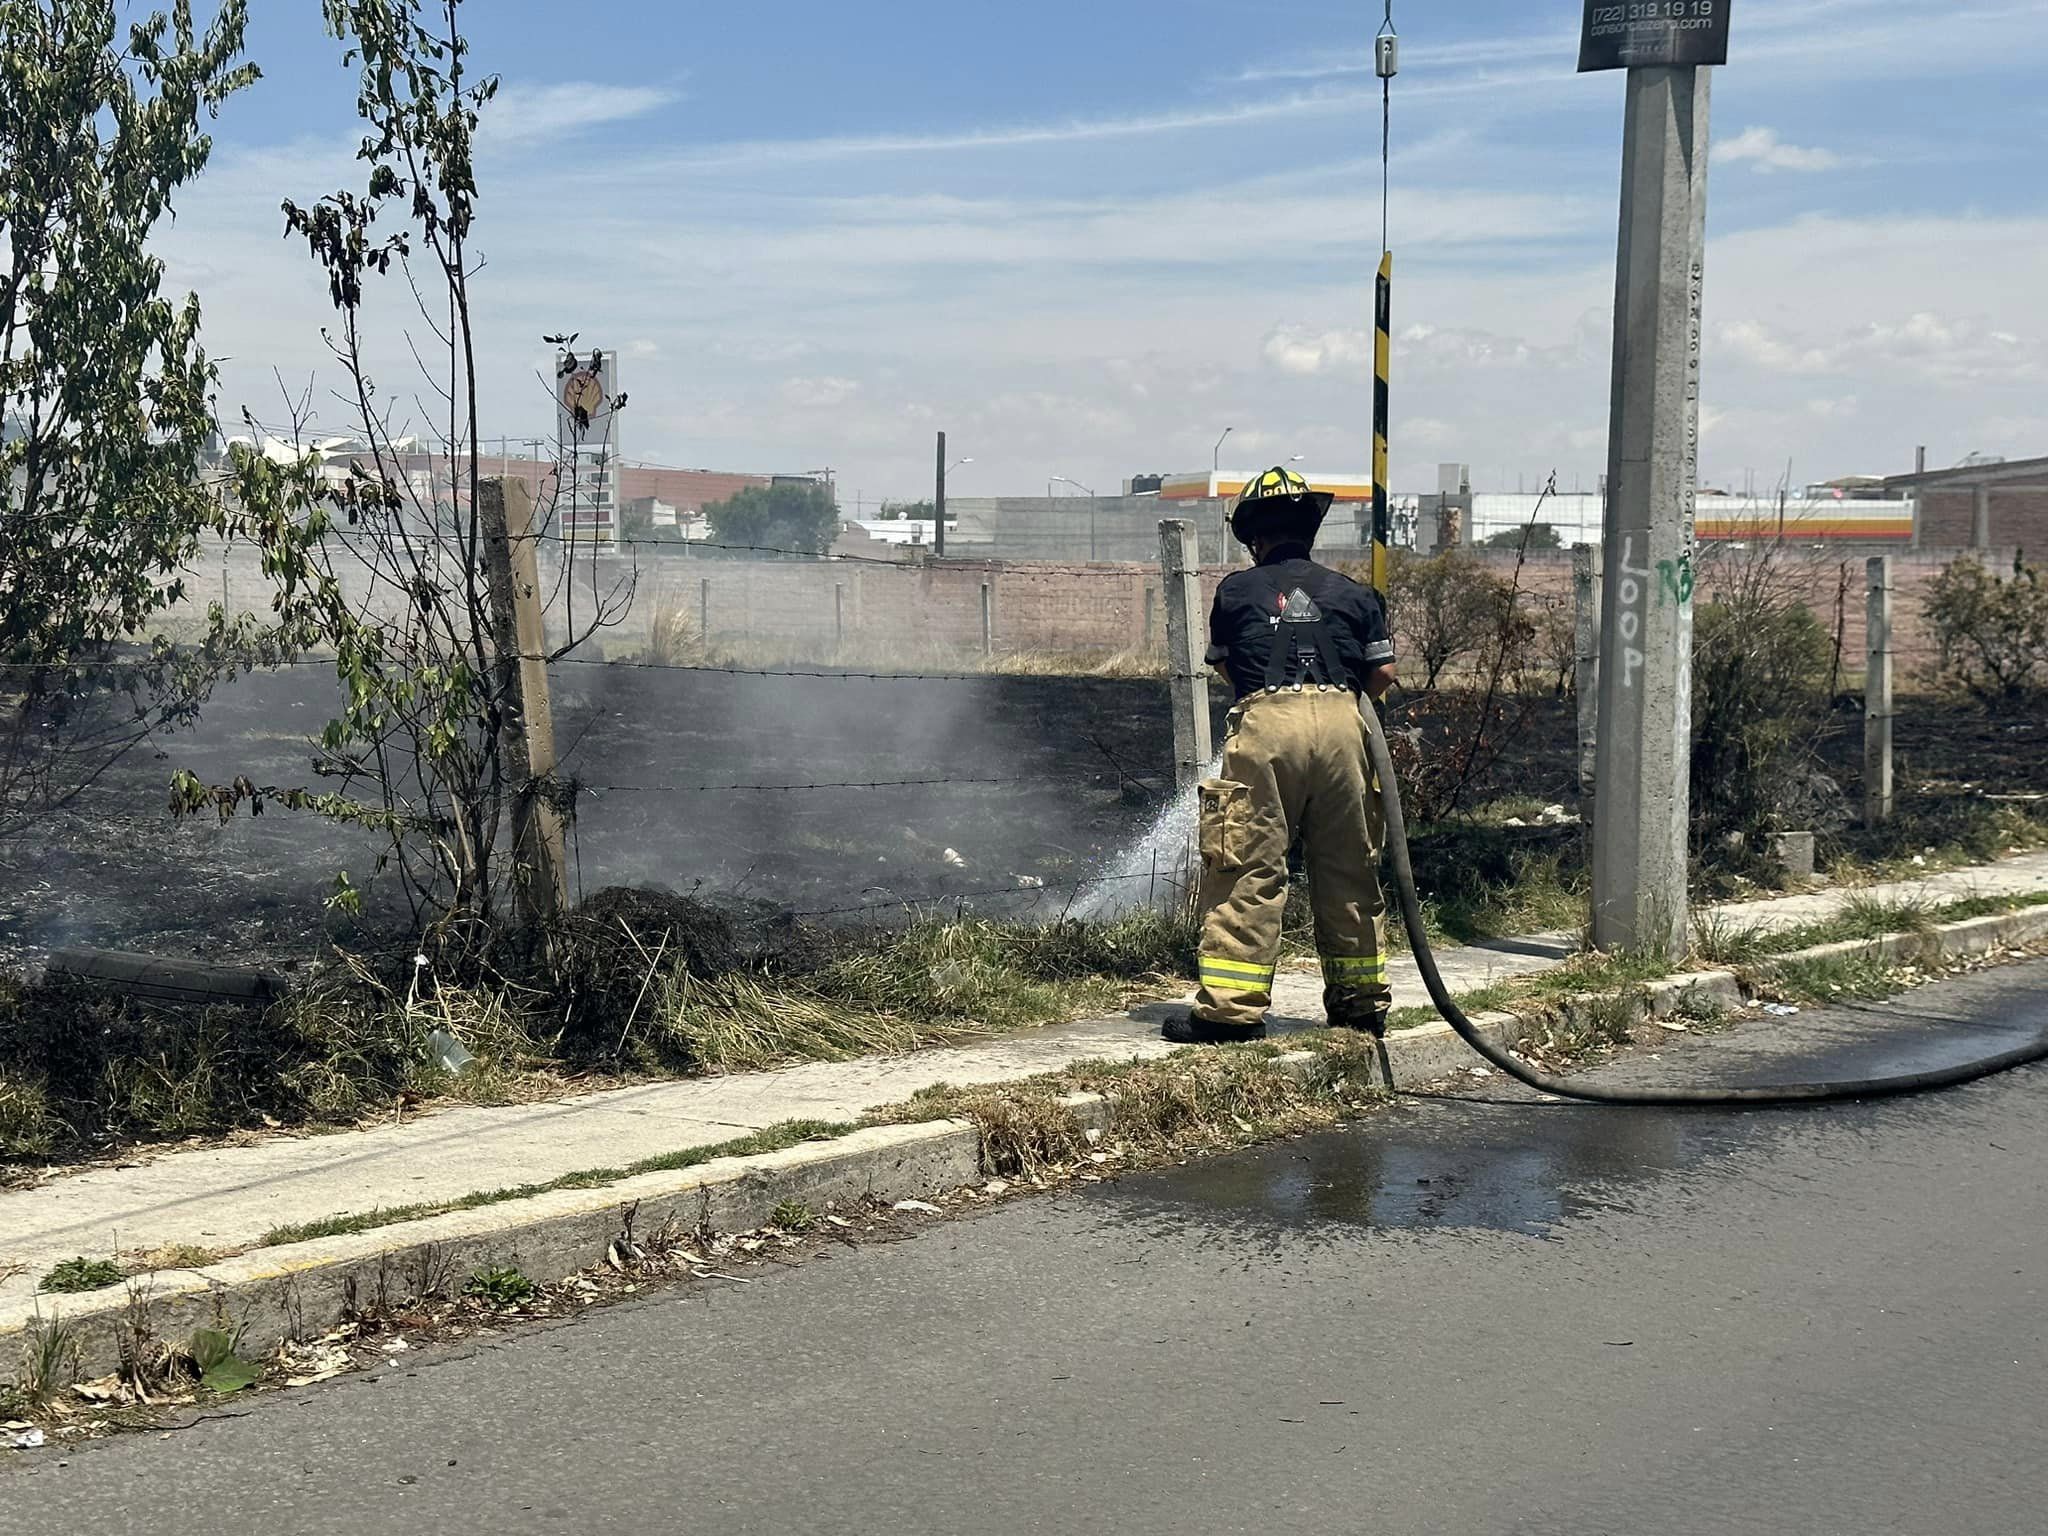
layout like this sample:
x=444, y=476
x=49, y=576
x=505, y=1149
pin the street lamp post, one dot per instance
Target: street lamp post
x=1223, y=528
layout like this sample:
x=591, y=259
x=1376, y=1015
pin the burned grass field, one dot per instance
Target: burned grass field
x=1025, y=798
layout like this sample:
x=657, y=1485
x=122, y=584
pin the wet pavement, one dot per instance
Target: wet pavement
x=1488, y=1315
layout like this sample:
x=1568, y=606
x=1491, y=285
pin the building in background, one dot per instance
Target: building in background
x=1980, y=504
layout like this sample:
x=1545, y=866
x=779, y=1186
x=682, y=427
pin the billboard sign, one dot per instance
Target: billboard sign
x=1633, y=34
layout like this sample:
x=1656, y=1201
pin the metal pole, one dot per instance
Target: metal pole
x=1180, y=574
x=1382, y=362
x=939, y=505
x=1877, y=695
x=1645, y=723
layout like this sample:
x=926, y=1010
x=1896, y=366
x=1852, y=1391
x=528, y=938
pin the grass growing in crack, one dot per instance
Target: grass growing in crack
x=83, y=1274
x=775, y=1138
x=499, y=1286
x=1190, y=1101
x=1839, y=978
x=792, y=1216
x=49, y=1361
x=1862, y=917
x=177, y=1256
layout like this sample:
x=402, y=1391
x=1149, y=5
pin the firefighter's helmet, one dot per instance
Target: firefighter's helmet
x=1279, y=503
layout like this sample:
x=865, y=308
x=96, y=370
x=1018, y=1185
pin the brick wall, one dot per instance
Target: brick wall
x=1816, y=579
x=2019, y=518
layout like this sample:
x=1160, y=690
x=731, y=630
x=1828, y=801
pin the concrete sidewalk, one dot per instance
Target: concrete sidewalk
x=229, y=1197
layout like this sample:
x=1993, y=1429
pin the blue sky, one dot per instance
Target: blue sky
x=1085, y=238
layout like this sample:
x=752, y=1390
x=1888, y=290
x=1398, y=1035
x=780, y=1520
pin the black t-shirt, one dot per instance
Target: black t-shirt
x=1250, y=618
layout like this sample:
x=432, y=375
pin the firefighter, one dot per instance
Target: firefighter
x=1299, y=643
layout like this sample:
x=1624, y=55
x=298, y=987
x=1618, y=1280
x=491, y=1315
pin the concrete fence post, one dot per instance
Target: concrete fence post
x=704, y=610
x=1877, y=694
x=1180, y=575
x=1151, y=627
x=1586, y=659
x=839, y=613
x=988, y=620
x=540, y=878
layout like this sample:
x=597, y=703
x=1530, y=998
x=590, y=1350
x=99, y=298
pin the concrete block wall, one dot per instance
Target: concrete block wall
x=897, y=614
x=1815, y=579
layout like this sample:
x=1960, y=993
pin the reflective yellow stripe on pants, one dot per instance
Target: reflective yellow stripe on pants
x=1354, y=970
x=1242, y=976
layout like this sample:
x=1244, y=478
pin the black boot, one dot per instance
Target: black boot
x=1194, y=1031
x=1374, y=1024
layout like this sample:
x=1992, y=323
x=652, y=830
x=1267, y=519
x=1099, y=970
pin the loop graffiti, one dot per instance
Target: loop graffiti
x=1673, y=585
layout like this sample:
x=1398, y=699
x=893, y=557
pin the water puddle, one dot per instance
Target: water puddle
x=1446, y=1166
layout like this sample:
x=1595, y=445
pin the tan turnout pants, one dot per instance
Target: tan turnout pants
x=1295, y=762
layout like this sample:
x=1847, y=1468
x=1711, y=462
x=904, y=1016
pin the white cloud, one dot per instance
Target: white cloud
x=1293, y=350
x=527, y=114
x=755, y=152
x=819, y=393
x=644, y=348
x=1767, y=152
x=1953, y=350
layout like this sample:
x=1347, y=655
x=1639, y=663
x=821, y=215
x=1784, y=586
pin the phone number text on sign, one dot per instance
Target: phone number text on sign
x=1630, y=34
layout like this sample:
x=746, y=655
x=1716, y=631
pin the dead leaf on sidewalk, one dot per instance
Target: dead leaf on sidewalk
x=917, y=1205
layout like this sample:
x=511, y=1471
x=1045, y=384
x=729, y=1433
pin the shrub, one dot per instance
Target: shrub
x=1444, y=608
x=1759, y=706
x=1993, y=634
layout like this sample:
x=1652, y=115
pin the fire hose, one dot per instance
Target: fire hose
x=1568, y=1088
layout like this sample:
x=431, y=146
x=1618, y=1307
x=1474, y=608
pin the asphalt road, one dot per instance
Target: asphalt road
x=1467, y=1317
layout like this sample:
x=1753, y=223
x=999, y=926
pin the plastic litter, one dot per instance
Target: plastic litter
x=447, y=1052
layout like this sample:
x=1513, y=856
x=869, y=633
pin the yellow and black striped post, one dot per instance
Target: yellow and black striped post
x=1382, y=518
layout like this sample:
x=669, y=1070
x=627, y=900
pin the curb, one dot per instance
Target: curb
x=301, y=1290
x=1968, y=936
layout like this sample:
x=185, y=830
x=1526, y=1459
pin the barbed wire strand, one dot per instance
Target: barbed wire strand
x=714, y=789
x=936, y=898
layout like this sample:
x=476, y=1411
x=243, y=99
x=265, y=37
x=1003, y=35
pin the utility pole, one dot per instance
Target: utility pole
x=1644, y=745
x=939, y=505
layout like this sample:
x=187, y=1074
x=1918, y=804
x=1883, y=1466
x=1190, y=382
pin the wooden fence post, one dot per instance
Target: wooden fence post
x=1877, y=694
x=540, y=871
x=1586, y=654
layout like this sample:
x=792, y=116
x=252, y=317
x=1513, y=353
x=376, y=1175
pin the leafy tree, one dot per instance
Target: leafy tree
x=106, y=396
x=390, y=577
x=801, y=516
x=914, y=511
x=1529, y=537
